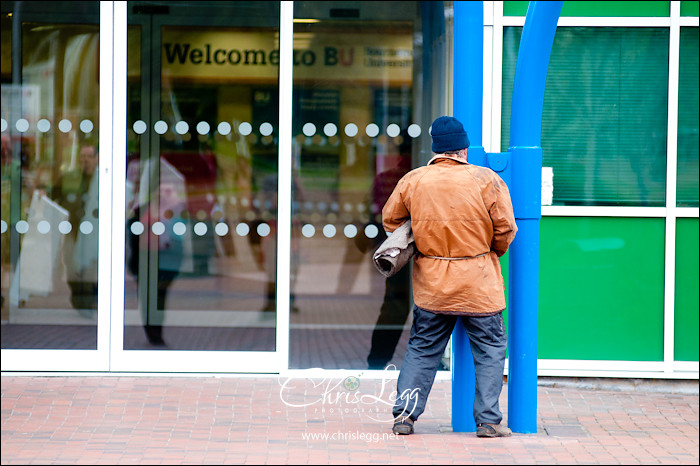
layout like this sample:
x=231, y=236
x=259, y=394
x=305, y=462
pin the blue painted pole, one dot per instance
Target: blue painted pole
x=525, y=189
x=467, y=106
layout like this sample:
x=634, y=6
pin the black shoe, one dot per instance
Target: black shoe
x=403, y=425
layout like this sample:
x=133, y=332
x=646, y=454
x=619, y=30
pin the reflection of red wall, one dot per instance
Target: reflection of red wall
x=199, y=171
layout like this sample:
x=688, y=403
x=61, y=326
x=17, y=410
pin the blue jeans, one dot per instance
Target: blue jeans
x=429, y=336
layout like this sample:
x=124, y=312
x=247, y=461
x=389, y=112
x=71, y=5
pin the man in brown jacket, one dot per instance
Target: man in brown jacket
x=462, y=220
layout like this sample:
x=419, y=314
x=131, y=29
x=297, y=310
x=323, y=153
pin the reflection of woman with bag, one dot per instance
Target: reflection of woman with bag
x=167, y=245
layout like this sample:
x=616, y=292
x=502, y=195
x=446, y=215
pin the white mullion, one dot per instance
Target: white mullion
x=603, y=211
x=107, y=155
x=118, y=177
x=671, y=182
x=687, y=212
x=487, y=91
x=496, y=77
x=597, y=21
x=284, y=185
x=689, y=21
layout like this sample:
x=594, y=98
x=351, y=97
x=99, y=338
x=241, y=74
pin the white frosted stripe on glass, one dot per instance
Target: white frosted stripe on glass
x=224, y=128
x=65, y=125
x=203, y=128
x=158, y=228
x=22, y=125
x=200, y=228
x=308, y=230
x=43, y=125
x=245, y=128
x=86, y=126
x=140, y=127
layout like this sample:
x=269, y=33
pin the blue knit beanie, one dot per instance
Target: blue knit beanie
x=448, y=135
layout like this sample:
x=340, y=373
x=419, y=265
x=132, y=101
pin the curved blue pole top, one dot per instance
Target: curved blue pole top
x=531, y=73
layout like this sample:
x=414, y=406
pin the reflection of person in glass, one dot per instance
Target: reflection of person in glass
x=397, y=295
x=77, y=191
x=158, y=221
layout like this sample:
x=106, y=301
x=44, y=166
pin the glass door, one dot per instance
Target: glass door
x=201, y=188
x=52, y=188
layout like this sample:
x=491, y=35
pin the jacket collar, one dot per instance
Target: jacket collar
x=440, y=157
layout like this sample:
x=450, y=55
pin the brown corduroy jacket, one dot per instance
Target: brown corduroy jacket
x=462, y=220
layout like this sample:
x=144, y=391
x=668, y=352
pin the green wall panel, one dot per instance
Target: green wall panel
x=601, y=288
x=689, y=8
x=598, y=8
x=686, y=295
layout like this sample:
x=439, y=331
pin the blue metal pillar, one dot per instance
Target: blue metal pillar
x=525, y=189
x=467, y=106
x=521, y=169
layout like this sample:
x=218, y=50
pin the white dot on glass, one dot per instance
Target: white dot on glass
x=321, y=206
x=371, y=231
x=266, y=129
x=43, y=227
x=361, y=207
x=242, y=229
x=263, y=229
x=86, y=227
x=329, y=231
x=414, y=130
x=43, y=125
x=160, y=127
x=3, y=125
x=309, y=129
x=245, y=128
x=223, y=128
x=200, y=228
x=140, y=127
x=330, y=130
x=372, y=130
x=158, y=228
x=350, y=231
x=65, y=126
x=203, y=128
x=393, y=130
x=137, y=228
x=221, y=229
x=22, y=227
x=182, y=127
x=308, y=230
x=22, y=125
x=65, y=227
x=179, y=228
x=351, y=130
x=308, y=205
x=86, y=126
x=3, y=226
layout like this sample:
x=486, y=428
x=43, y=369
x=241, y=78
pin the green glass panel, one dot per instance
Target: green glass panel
x=686, y=301
x=586, y=8
x=689, y=8
x=604, y=119
x=601, y=288
x=687, y=188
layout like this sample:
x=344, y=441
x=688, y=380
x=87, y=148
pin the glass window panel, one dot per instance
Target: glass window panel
x=50, y=181
x=604, y=121
x=686, y=297
x=364, y=97
x=688, y=134
x=597, y=8
x=689, y=8
x=202, y=176
x=602, y=291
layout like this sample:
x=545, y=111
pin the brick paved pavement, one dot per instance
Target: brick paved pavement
x=244, y=420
